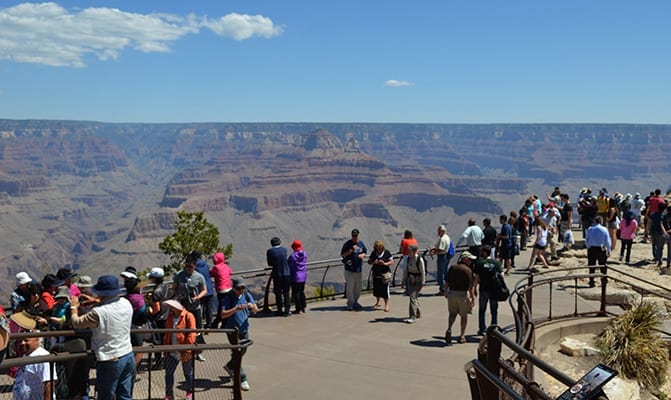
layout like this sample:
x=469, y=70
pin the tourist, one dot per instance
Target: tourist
x=235, y=312
x=522, y=226
x=353, y=252
x=541, y=235
x=49, y=285
x=407, y=241
x=666, y=228
x=110, y=323
x=223, y=284
x=471, y=237
x=485, y=271
x=276, y=257
x=657, y=233
x=628, y=227
x=190, y=288
x=602, y=204
x=33, y=381
x=178, y=318
x=207, y=302
x=566, y=216
x=66, y=275
x=505, y=243
x=551, y=217
x=612, y=222
x=380, y=260
x=162, y=291
x=136, y=300
x=637, y=205
x=489, y=238
x=20, y=292
x=415, y=276
x=298, y=265
x=598, y=246
x=443, y=259
x=460, y=294
x=4, y=333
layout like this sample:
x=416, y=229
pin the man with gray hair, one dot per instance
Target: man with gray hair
x=443, y=260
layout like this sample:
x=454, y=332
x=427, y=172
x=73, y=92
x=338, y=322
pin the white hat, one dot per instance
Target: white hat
x=156, y=272
x=23, y=278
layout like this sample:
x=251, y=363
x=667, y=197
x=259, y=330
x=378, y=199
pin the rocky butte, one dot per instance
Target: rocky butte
x=100, y=196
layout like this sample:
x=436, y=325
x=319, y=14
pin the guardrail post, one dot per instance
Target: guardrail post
x=487, y=389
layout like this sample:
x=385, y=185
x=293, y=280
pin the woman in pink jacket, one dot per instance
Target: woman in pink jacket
x=221, y=273
x=628, y=227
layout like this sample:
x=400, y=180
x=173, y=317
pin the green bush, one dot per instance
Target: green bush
x=631, y=346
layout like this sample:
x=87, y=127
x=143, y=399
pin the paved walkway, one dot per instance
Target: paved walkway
x=330, y=353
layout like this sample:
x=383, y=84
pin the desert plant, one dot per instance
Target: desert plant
x=630, y=345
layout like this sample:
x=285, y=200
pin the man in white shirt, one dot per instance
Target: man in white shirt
x=472, y=236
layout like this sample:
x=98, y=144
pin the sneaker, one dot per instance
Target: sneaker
x=244, y=385
x=448, y=336
x=200, y=357
x=482, y=332
x=228, y=370
x=189, y=396
x=462, y=340
x=410, y=321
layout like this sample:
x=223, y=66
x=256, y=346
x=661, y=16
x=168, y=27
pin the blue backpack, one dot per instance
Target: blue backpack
x=450, y=251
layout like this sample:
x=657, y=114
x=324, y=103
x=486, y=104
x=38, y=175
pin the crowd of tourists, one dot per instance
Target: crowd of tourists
x=203, y=296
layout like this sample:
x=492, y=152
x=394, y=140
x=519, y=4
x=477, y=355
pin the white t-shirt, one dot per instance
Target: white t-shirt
x=29, y=383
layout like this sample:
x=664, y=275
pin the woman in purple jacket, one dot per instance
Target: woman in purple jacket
x=298, y=261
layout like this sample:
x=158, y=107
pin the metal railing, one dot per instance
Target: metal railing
x=490, y=375
x=206, y=378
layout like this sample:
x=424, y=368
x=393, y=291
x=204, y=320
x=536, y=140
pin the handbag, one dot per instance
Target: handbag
x=386, y=277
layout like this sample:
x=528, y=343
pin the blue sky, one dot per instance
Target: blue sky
x=336, y=61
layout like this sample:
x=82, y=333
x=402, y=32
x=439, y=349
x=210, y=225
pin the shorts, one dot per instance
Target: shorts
x=612, y=224
x=458, y=303
x=539, y=247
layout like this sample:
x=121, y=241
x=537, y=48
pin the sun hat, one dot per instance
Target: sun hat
x=156, y=272
x=467, y=254
x=63, y=292
x=51, y=280
x=22, y=278
x=107, y=285
x=65, y=273
x=84, y=282
x=174, y=304
x=24, y=320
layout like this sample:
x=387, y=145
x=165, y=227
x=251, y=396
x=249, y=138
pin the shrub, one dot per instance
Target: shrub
x=631, y=346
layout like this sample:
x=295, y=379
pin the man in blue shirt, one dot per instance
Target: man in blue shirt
x=235, y=310
x=597, y=241
x=353, y=252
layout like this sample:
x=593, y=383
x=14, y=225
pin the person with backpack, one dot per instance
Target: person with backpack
x=415, y=276
x=486, y=270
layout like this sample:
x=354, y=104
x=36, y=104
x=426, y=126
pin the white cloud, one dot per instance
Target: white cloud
x=49, y=34
x=395, y=83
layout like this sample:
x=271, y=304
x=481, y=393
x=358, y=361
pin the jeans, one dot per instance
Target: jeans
x=209, y=305
x=352, y=288
x=442, y=263
x=657, y=246
x=115, y=378
x=242, y=335
x=170, y=367
x=486, y=297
